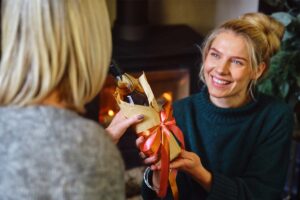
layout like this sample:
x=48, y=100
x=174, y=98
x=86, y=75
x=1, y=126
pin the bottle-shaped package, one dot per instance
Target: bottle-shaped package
x=129, y=87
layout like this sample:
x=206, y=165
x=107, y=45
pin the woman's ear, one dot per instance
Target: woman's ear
x=260, y=70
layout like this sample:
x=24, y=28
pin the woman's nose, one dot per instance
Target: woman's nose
x=222, y=67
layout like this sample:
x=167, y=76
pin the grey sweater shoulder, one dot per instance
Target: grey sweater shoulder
x=54, y=154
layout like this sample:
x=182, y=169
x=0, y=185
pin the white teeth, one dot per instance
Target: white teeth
x=220, y=81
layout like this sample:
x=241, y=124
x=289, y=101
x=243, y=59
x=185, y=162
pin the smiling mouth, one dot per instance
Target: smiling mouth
x=219, y=81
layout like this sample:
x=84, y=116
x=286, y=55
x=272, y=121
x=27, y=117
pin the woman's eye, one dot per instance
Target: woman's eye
x=213, y=54
x=237, y=62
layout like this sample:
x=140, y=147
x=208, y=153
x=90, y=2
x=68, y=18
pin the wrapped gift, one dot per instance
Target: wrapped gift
x=162, y=136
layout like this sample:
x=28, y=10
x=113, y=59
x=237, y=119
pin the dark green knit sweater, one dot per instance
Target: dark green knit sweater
x=246, y=149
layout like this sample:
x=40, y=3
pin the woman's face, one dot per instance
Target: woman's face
x=227, y=70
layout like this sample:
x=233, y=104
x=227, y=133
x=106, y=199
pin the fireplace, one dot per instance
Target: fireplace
x=169, y=55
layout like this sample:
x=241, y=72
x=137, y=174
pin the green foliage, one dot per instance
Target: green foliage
x=283, y=79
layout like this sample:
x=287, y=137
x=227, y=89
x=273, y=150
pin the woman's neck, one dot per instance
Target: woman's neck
x=229, y=102
x=53, y=100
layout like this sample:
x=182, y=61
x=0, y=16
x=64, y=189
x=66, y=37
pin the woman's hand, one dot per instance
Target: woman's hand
x=152, y=161
x=120, y=124
x=190, y=163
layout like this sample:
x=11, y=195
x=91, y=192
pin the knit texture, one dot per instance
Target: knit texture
x=54, y=154
x=246, y=148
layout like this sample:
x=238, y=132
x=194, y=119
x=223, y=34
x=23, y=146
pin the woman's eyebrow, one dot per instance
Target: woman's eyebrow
x=236, y=57
x=214, y=49
x=241, y=58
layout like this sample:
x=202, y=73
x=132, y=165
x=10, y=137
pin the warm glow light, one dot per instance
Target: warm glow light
x=167, y=96
x=111, y=113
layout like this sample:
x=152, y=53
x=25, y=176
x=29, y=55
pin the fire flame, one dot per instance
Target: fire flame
x=167, y=96
x=111, y=113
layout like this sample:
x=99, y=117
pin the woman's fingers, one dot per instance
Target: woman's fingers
x=142, y=155
x=184, y=153
x=127, y=122
x=139, y=141
x=151, y=160
x=177, y=163
x=123, y=123
x=120, y=124
x=148, y=160
x=186, y=160
x=156, y=166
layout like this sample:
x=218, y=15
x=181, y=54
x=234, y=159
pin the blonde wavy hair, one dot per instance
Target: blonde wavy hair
x=48, y=45
x=262, y=34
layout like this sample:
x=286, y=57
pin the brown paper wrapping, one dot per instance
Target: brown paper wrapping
x=151, y=114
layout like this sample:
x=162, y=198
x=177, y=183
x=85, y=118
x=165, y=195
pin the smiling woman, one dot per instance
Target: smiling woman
x=227, y=70
x=237, y=139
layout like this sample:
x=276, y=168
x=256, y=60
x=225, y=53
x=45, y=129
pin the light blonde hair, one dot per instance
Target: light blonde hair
x=53, y=44
x=262, y=34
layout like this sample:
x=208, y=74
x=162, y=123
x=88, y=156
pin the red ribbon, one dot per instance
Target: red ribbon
x=157, y=143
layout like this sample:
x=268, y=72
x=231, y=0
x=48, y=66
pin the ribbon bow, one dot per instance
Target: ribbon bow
x=157, y=142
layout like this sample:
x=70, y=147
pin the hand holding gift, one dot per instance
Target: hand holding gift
x=120, y=124
x=162, y=136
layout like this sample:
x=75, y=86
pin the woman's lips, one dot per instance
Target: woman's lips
x=219, y=82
